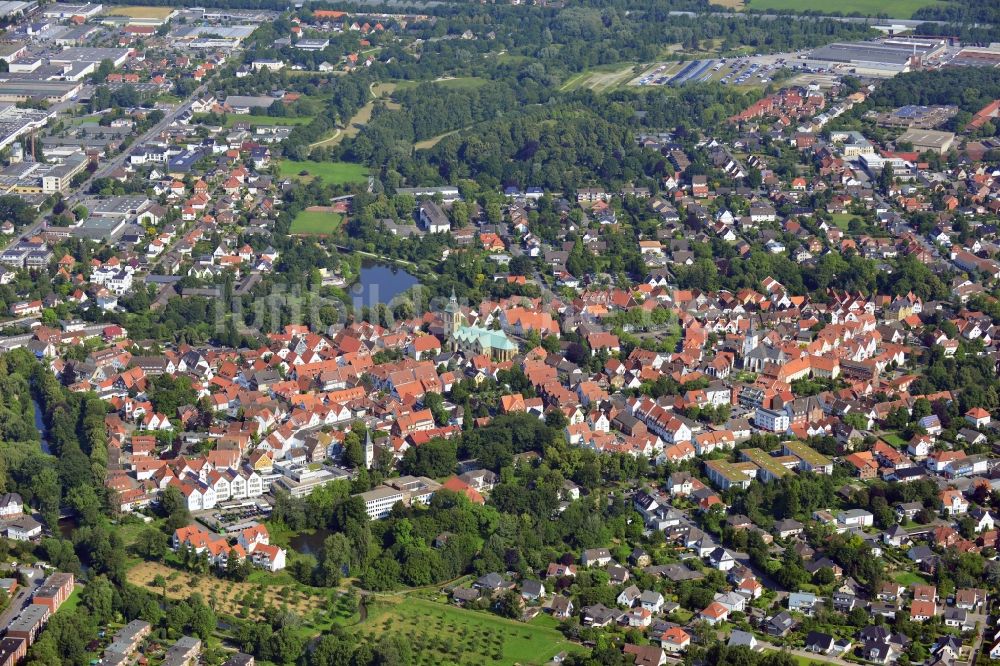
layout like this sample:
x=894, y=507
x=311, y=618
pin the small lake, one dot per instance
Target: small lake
x=309, y=543
x=380, y=283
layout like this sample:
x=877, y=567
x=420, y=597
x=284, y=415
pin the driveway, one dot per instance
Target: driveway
x=811, y=656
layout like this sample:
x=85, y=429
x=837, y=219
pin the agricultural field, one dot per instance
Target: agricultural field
x=140, y=12
x=729, y=4
x=227, y=596
x=440, y=633
x=338, y=173
x=893, y=8
x=315, y=223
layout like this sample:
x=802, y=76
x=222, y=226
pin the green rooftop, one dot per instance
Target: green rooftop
x=763, y=460
x=808, y=454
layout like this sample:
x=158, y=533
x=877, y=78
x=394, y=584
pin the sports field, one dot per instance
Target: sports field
x=894, y=8
x=316, y=223
x=339, y=173
x=439, y=633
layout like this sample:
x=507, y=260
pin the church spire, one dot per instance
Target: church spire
x=452, y=316
x=369, y=449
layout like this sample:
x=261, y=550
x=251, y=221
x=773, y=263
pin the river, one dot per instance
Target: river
x=40, y=424
x=380, y=283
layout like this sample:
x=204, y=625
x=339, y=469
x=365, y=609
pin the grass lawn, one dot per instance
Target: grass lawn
x=893, y=8
x=601, y=78
x=892, y=439
x=339, y=173
x=682, y=616
x=253, y=121
x=72, y=602
x=232, y=119
x=280, y=533
x=543, y=619
x=441, y=633
x=842, y=220
x=462, y=82
x=457, y=82
x=315, y=223
x=434, y=140
x=908, y=578
x=130, y=530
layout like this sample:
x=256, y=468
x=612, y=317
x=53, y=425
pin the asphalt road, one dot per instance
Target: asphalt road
x=105, y=168
x=119, y=160
x=20, y=600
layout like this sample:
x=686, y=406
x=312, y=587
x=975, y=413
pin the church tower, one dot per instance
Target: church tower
x=452, y=317
x=369, y=450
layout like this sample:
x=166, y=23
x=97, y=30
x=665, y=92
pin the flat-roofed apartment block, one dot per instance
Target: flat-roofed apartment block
x=126, y=641
x=379, y=501
x=771, y=468
x=54, y=591
x=772, y=420
x=29, y=623
x=810, y=460
x=183, y=653
x=12, y=651
x=728, y=475
x=415, y=489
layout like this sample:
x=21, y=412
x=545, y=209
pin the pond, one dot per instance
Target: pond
x=309, y=543
x=380, y=283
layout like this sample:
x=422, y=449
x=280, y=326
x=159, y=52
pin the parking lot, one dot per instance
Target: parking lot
x=228, y=516
x=746, y=70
